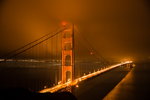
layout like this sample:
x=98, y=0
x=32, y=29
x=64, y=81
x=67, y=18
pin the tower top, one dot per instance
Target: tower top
x=64, y=23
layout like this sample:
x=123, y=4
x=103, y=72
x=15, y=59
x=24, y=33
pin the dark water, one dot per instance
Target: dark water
x=98, y=87
x=27, y=75
x=135, y=86
x=36, y=75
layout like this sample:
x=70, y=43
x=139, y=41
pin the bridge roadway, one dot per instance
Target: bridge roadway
x=78, y=80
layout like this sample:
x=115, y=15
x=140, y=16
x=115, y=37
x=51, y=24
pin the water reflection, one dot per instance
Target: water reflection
x=127, y=84
x=135, y=86
x=96, y=88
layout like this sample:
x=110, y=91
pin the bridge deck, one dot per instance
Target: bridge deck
x=76, y=81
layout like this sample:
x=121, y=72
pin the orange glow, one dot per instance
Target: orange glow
x=77, y=86
x=91, y=53
x=64, y=23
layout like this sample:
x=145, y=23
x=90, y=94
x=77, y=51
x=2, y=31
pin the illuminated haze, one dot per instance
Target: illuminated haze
x=117, y=28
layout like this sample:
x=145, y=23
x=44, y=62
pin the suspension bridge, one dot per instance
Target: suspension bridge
x=66, y=49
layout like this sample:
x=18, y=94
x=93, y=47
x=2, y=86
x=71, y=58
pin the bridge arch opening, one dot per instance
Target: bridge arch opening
x=68, y=76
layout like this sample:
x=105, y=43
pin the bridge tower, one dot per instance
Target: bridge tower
x=68, y=54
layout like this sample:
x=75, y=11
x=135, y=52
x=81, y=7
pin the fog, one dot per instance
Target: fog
x=118, y=29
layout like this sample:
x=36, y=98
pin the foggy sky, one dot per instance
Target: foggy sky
x=117, y=28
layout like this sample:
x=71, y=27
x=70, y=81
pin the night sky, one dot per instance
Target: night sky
x=117, y=29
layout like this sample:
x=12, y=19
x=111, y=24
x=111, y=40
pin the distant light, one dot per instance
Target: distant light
x=133, y=65
x=77, y=86
x=80, y=79
x=59, y=82
x=45, y=87
x=64, y=23
x=91, y=53
x=2, y=59
x=69, y=80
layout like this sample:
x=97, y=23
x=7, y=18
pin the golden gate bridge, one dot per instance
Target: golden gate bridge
x=68, y=49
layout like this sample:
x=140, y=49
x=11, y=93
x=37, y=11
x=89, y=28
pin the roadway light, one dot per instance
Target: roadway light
x=77, y=86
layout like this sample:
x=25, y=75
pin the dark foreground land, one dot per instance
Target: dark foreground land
x=24, y=94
